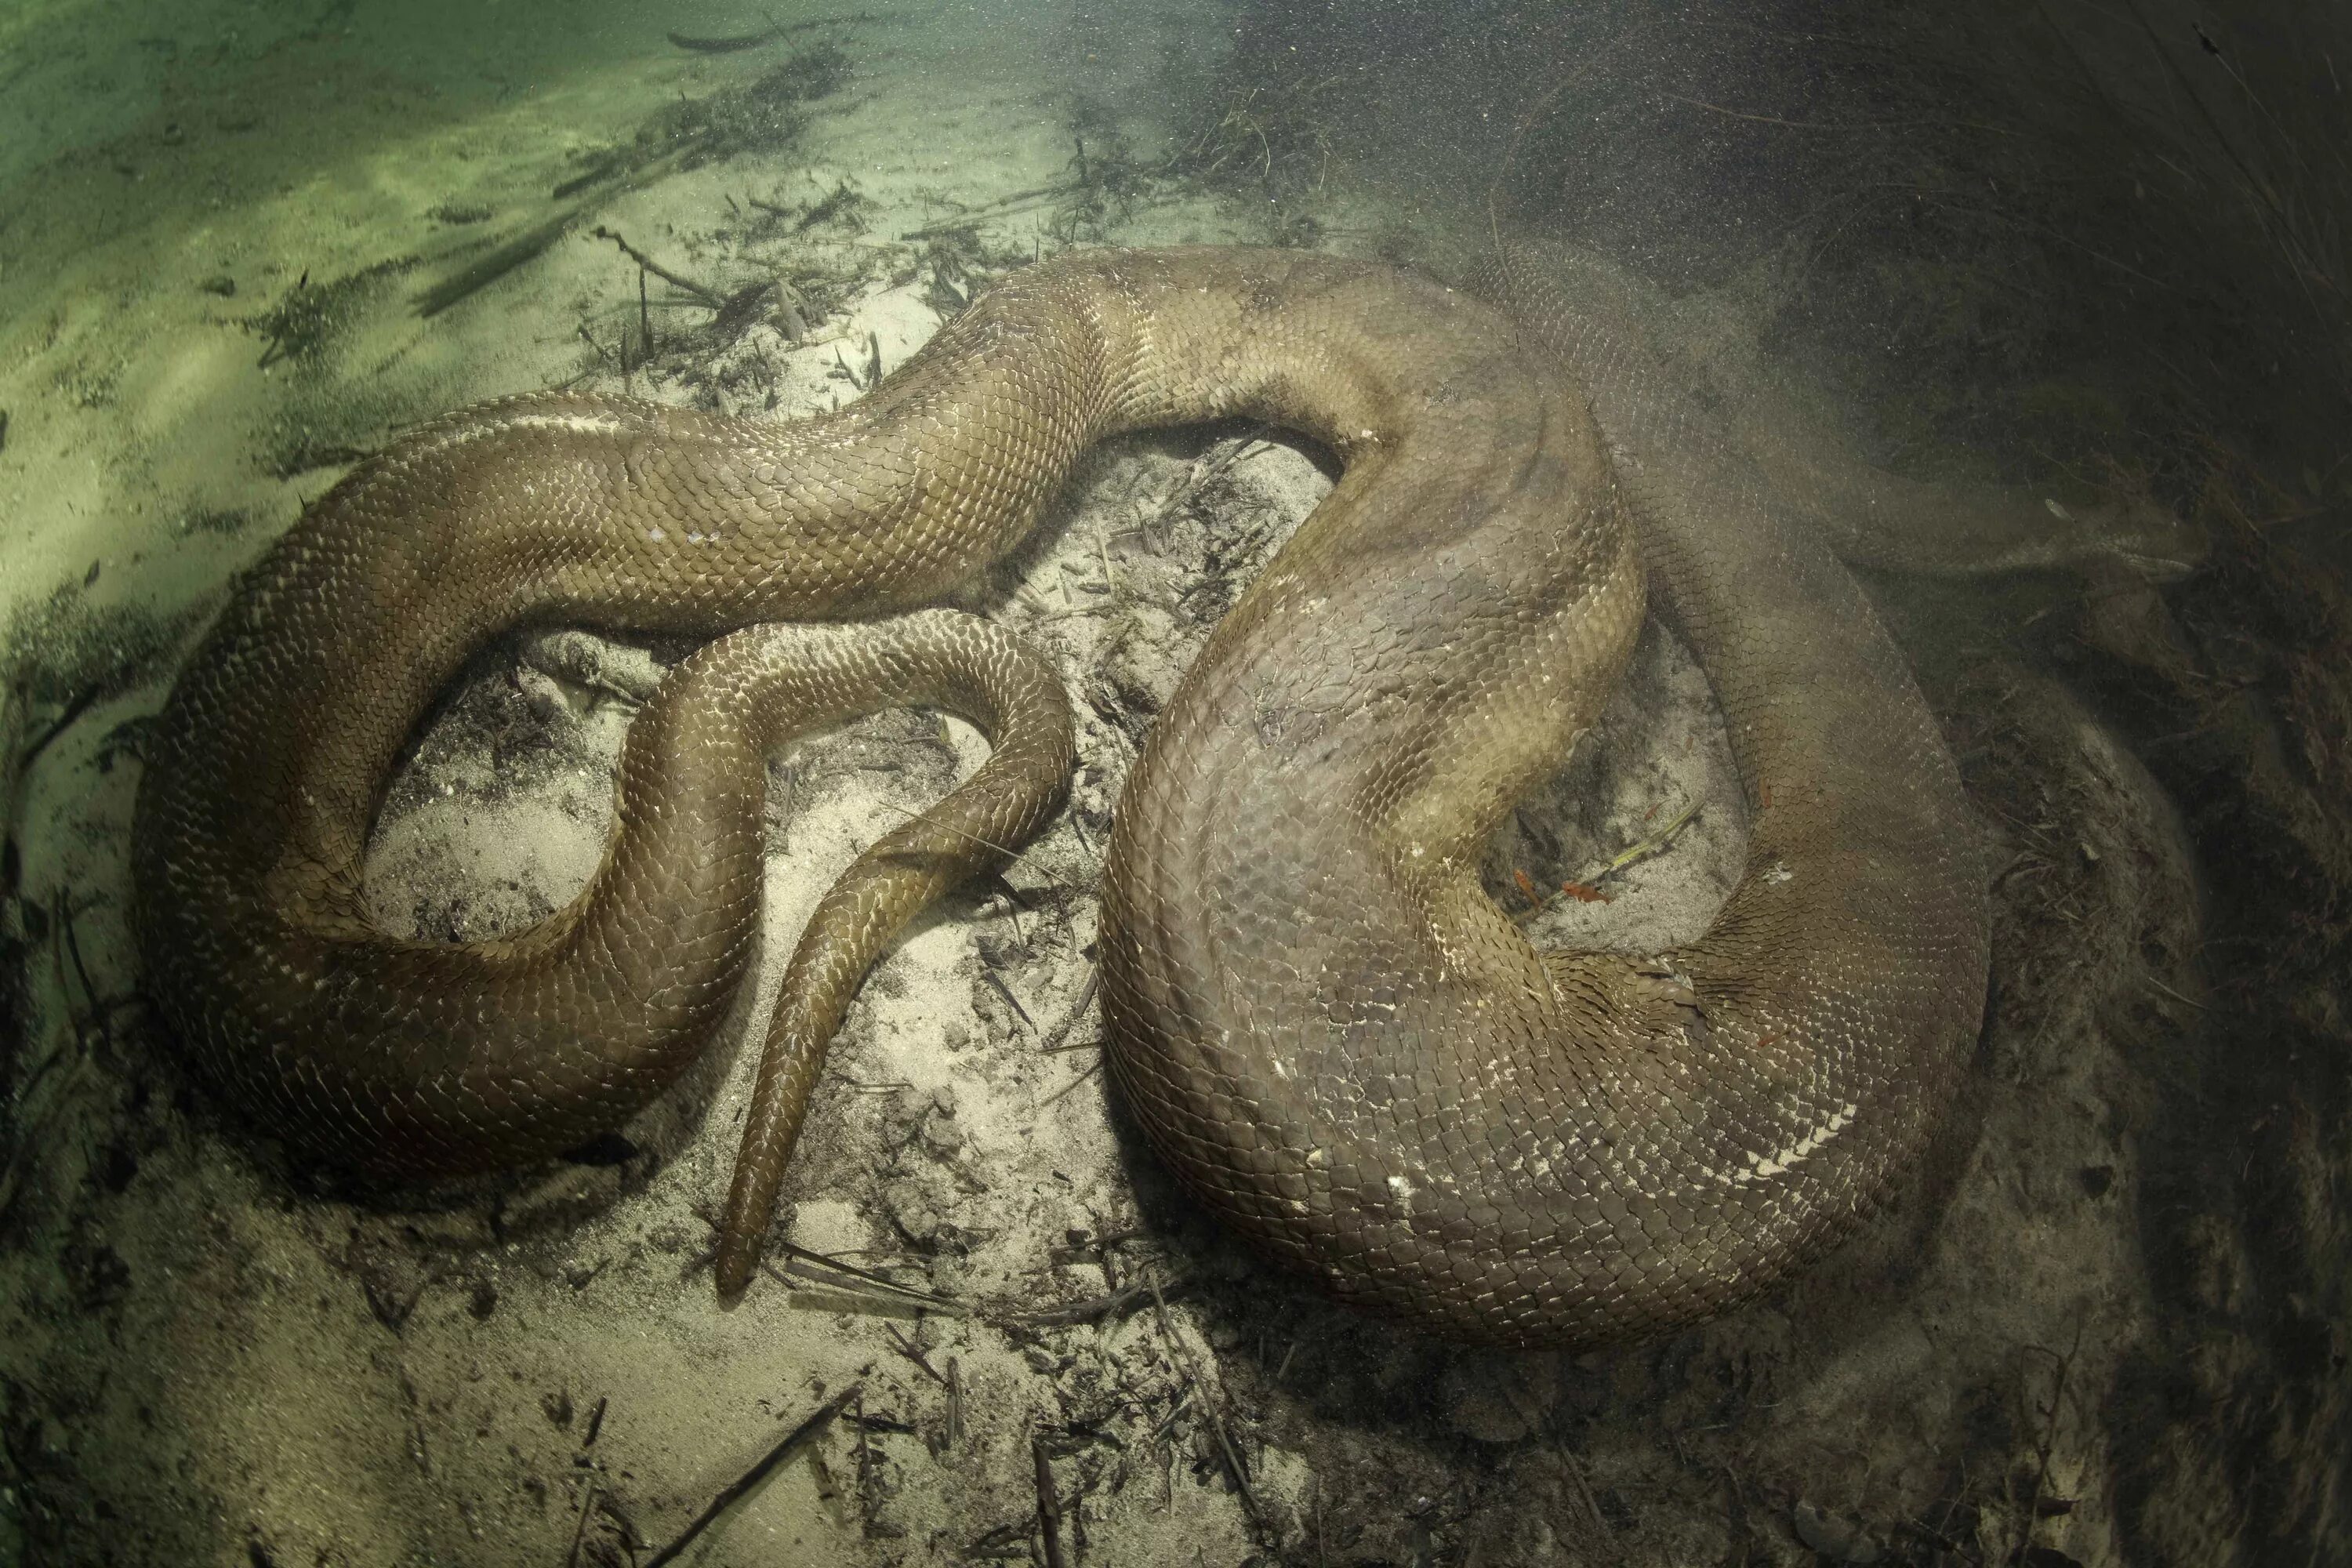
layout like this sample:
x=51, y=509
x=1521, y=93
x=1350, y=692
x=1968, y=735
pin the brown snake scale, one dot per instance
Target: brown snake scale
x=1318, y=1019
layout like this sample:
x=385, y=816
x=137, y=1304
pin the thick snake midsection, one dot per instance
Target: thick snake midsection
x=1317, y=1016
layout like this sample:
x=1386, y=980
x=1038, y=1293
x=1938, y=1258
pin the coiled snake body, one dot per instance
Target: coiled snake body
x=1318, y=1019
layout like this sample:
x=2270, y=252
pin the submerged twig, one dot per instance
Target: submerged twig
x=931, y=1299
x=726, y=45
x=930, y=821
x=1642, y=849
x=709, y=296
x=81, y=703
x=1049, y=1502
x=2049, y=1439
x=798, y=1437
x=580, y=1529
x=1005, y=990
x=1055, y=1097
x=1055, y=1041
x=71, y=939
x=1118, y=1303
x=493, y=265
x=914, y=1352
x=732, y=43
x=1013, y=206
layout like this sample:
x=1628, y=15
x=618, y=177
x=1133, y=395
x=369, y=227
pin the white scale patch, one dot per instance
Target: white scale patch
x=575, y=423
x=1403, y=1190
x=1778, y=1165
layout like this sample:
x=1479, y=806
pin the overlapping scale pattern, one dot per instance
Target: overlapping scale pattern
x=1339, y=1042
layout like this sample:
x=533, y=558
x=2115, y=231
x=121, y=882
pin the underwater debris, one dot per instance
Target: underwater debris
x=734, y=310
x=728, y=1495
x=1643, y=849
x=1107, y=180
x=1275, y=136
x=761, y=116
x=965, y=226
x=709, y=296
x=1049, y=1502
x=862, y=379
x=735, y=43
x=726, y=45
x=493, y=265
x=600, y=167
x=813, y=73
x=843, y=205
x=301, y=326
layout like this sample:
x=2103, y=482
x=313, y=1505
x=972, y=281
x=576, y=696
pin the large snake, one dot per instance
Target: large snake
x=1318, y=1018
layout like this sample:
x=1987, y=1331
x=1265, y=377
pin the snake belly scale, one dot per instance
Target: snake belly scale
x=1336, y=1040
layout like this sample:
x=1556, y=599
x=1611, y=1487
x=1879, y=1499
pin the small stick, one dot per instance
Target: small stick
x=2049, y=1433
x=708, y=296
x=580, y=1529
x=1234, y=1466
x=1074, y=1083
x=1645, y=847
x=1118, y=1303
x=726, y=46
x=914, y=1352
x=1251, y=1507
x=955, y=1402
x=644, y=318
x=929, y=1296
x=1053, y=1042
x=97, y=1010
x=492, y=265
x=1183, y=1402
x=1013, y=909
x=1584, y=1491
x=797, y=1439
x=930, y=821
x=74, y=709
x=989, y=972
x=590, y=338
x=844, y=364
x=865, y=1462
x=1049, y=1505
x=997, y=209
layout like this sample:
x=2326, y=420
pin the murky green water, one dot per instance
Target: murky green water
x=1958, y=285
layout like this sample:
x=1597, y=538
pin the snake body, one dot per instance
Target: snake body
x=1334, y=1038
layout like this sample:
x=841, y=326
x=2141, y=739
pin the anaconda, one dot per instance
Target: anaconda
x=1330, y=1033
